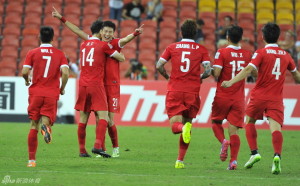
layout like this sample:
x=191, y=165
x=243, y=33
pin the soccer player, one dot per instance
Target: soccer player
x=92, y=96
x=266, y=97
x=47, y=64
x=182, y=99
x=229, y=103
x=112, y=79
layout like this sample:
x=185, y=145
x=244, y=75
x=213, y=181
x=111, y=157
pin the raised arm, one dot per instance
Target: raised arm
x=70, y=25
x=161, y=69
x=130, y=37
x=118, y=56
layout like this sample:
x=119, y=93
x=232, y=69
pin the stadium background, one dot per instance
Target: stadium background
x=20, y=21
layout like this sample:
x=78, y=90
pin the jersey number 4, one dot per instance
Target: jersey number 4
x=276, y=69
x=184, y=59
x=89, y=58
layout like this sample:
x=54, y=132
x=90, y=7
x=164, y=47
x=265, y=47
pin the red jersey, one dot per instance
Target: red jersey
x=112, y=68
x=92, y=61
x=46, y=62
x=231, y=60
x=271, y=63
x=185, y=57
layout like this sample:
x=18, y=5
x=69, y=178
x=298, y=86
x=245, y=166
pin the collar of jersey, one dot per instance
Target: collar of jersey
x=187, y=40
x=271, y=45
x=90, y=38
x=45, y=45
x=234, y=47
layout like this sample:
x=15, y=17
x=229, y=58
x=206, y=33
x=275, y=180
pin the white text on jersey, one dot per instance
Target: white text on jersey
x=47, y=51
x=186, y=46
x=279, y=52
x=234, y=54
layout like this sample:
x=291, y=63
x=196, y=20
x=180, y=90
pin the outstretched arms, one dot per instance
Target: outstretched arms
x=70, y=25
x=130, y=37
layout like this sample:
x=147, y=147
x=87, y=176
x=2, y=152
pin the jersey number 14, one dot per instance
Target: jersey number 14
x=89, y=58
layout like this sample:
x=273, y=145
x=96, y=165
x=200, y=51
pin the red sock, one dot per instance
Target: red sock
x=100, y=133
x=251, y=136
x=234, y=147
x=218, y=131
x=81, y=137
x=177, y=127
x=103, y=143
x=32, y=143
x=182, y=148
x=113, y=133
x=277, y=141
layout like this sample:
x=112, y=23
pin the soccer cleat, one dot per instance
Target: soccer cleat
x=31, y=163
x=186, y=132
x=115, y=152
x=253, y=159
x=232, y=165
x=101, y=153
x=179, y=165
x=224, y=149
x=276, y=169
x=46, y=132
x=85, y=155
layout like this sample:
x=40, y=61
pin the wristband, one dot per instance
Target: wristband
x=136, y=33
x=62, y=19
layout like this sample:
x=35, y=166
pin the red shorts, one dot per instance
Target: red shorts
x=230, y=109
x=273, y=109
x=113, y=98
x=91, y=99
x=182, y=103
x=42, y=106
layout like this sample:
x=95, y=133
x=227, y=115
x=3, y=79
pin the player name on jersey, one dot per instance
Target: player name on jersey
x=189, y=46
x=279, y=52
x=235, y=54
x=47, y=51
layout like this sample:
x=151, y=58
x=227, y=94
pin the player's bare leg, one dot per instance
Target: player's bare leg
x=46, y=129
x=234, y=146
x=251, y=136
x=102, y=117
x=277, y=140
x=81, y=133
x=179, y=128
x=32, y=141
x=219, y=134
x=113, y=133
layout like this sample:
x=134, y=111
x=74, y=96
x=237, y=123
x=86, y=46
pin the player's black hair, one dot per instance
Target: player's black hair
x=96, y=27
x=200, y=22
x=271, y=32
x=229, y=17
x=235, y=34
x=109, y=24
x=46, y=34
x=189, y=29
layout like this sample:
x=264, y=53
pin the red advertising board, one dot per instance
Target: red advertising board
x=143, y=104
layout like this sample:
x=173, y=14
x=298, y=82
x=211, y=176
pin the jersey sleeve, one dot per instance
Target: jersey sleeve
x=205, y=56
x=256, y=59
x=291, y=66
x=218, y=61
x=108, y=49
x=28, y=60
x=63, y=61
x=166, y=55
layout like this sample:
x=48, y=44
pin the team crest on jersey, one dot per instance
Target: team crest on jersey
x=254, y=55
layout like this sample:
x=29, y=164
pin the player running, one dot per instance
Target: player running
x=229, y=103
x=47, y=64
x=266, y=97
x=182, y=99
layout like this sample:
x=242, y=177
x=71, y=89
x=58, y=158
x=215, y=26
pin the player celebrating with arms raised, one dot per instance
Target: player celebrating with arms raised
x=47, y=63
x=229, y=103
x=266, y=97
x=182, y=100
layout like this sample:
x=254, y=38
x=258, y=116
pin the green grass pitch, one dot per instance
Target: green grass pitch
x=147, y=157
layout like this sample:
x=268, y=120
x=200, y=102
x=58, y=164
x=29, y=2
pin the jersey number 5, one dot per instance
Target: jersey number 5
x=184, y=59
x=89, y=58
